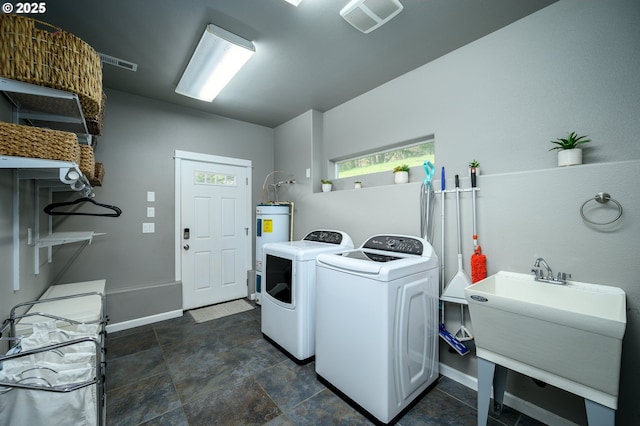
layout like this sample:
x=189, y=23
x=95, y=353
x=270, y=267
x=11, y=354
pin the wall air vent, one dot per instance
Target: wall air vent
x=118, y=62
x=367, y=15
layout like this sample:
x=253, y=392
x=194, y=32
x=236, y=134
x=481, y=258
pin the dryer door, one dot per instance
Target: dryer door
x=279, y=280
x=416, y=337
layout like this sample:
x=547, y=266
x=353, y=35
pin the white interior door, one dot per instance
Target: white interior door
x=214, y=232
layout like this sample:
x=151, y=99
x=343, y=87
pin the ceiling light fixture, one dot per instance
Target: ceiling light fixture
x=294, y=2
x=219, y=56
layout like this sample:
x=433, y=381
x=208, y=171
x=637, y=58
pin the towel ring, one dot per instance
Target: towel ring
x=602, y=198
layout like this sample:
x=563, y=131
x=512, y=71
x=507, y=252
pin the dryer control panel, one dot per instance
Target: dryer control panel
x=330, y=237
x=396, y=244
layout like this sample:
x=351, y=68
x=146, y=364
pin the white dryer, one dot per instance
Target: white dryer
x=288, y=300
x=377, y=322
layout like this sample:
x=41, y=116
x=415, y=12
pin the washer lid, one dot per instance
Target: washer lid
x=370, y=255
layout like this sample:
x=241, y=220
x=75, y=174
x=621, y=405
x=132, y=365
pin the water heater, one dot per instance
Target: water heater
x=273, y=225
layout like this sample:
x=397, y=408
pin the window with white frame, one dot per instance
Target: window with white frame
x=412, y=154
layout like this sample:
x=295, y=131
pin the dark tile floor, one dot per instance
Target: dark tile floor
x=223, y=372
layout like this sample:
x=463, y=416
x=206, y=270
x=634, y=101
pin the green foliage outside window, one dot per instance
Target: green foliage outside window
x=414, y=155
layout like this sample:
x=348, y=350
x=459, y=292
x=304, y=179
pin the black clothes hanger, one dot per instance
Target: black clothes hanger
x=50, y=209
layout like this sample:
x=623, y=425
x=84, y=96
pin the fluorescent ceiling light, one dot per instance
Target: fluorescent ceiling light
x=294, y=2
x=218, y=57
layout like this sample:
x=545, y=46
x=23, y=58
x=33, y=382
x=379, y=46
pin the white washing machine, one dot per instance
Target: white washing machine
x=377, y=322
x=288, y=298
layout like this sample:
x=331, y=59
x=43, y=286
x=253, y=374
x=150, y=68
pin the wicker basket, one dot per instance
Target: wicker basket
x=98, y=175
x=94, y=124
x=87, y=161
x=39, y=53
x=25, y=141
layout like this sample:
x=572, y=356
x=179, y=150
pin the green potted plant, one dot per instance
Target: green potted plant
x=401, y=174
x=569, y=152
x=326, y=185
x=474, y=165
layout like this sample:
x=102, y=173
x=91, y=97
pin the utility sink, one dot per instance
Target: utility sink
x=569, y=336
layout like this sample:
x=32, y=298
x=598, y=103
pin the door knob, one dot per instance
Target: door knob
x=186, y=246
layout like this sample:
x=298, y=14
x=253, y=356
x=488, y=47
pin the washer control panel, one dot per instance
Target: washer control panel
x=395, y=243
x=329, y=237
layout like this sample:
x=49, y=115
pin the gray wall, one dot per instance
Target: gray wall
x=137, y=147
x=31, y=286
x=571, y=66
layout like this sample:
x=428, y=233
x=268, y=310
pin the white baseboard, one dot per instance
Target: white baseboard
x=525, y=407
x=125, y=325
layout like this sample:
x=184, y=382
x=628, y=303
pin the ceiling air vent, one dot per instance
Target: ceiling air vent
x=367, y=15
x=118, y=62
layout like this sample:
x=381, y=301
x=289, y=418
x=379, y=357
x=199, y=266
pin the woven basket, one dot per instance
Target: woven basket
x=39, y=53
x=87, y=161
x=98, y=175
x=25, y=141
x=94, y=124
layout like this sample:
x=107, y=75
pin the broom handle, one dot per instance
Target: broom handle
x=442, y=188
x=473, y=206
x=458, y=214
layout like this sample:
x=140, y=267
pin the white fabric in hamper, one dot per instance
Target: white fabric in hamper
x=36, y=407
x=67, y=365
x=42, y=337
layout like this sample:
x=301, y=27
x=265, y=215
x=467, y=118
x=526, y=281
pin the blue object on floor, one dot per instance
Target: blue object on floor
x=456, y=344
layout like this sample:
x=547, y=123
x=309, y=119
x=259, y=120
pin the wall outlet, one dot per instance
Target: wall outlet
x=151, y=212
x=148, y=228
x=151, y=196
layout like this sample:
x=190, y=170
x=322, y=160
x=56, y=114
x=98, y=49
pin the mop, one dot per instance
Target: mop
x=478, y=260
x=461, y=279
x=443, y=332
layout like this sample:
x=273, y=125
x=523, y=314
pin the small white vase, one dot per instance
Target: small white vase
x=569, y=157
x=357, y=185
x=401, y=177
x=326, y=187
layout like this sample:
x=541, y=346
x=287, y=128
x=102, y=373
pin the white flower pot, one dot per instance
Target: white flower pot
x=326, y=187
x=401, y=177
x=357, y=185
x=569, y=157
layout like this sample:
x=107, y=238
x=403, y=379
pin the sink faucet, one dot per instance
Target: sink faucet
x=540, y=264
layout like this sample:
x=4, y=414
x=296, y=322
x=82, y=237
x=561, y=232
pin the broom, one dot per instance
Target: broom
x=478, y=260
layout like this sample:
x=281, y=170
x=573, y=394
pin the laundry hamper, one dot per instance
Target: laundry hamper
x=52, y=380
x=54, y=372
x=35, y=52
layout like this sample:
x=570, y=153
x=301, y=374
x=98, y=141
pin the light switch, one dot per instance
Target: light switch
x=148, y=228
x=151, y=196
x=151, y=212
x=308, y=173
